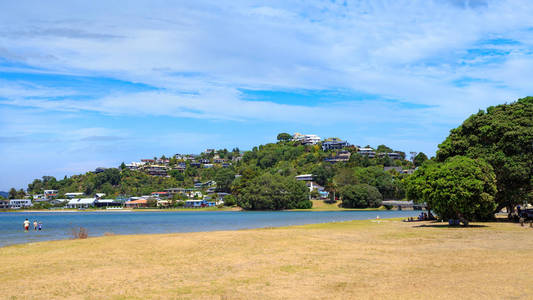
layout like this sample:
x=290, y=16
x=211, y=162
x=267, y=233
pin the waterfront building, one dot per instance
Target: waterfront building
x=81, y=203
x=20, y=203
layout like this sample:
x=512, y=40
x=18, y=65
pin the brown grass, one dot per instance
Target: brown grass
x=350, y=260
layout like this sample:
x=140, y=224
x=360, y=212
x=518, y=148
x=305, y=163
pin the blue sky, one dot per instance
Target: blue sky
x=96, y=83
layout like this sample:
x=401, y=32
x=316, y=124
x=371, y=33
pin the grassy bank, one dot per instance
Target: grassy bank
x=358, y=259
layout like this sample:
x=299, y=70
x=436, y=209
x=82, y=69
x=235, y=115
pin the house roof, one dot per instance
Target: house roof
x=82, y=201
x=140, y=201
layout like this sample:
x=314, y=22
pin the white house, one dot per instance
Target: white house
x=306, y=139
x=304, y=177
x=73, y=195
x=81, y=203
x=19, y=203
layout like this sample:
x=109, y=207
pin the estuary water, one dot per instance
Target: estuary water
x=59, y=225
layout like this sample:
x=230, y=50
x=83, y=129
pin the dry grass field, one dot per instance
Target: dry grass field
x=349, y=260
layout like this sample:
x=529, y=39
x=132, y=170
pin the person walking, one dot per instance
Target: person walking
x=35, y=225
x=40, y=226
x=26, y=225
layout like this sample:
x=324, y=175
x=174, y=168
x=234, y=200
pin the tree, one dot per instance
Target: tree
x=383, y=149
x=503, y=136
x=122, y=166
x=460, y=187
x=419, y=159
x=284, y=137
x=274, y=192
x=12, y=193
x=360, y=196
x=229, y=200
x=178, y=175
x=224, y=178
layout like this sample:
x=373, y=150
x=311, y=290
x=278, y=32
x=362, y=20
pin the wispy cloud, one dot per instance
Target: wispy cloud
x=419, y=66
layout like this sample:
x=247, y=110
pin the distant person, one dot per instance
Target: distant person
x=26, y=225
x=40, y=226
x=35, y=225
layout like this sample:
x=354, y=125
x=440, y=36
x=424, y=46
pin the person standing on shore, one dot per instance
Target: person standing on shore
x=26, y=225
x=35, y=225
x=40, y=226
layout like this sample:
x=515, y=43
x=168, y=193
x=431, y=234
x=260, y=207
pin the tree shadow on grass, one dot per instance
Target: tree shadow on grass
x=445, y=225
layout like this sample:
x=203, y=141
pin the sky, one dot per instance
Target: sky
x=86, y=84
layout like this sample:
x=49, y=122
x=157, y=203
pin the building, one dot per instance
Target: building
x=48, y=194
x=99, y=170
x=20, y=203
x=334, y=144
x=199, y=203
x=156, y=170
x=160, y=194
x=368, y=152
x=306, y=139
x=304, y=177
x=4, y=204
x=81, y=203
x=342, y=156
x=134, y=165
x=136, y=203
x=74, y=195
x=107, y=203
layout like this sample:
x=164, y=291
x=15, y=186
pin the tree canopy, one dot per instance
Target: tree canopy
x=503, y=136
x=360, y=196
x=460, y=187
x=274, y=192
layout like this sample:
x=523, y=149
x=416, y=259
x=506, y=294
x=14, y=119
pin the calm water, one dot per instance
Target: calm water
x=58, y=225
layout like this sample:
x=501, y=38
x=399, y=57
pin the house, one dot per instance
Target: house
x=156, y=170
x=196, y=164
x=342, y=156
x=209, y=183
x=208, y=151
x=99, y=170
x=367, y=151
x=100, y=195
x=314, y=186
x=58, y=201
x=163, y=203
x=48, y=194
x=175, y=191
x=160, y=194
x=136, y=203
x=19, y=203
x=4, y=204
x=207, y=166
x=199, y=203
x=148, y=161
x=392, y=155
x=226, y=165
x=304, y=177
x=306, y=139
x=334, y=144
x=107, y=203
x=73, y=195
x=81, y=203
x=134, y=165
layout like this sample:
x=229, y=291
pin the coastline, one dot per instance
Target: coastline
x=384, y=259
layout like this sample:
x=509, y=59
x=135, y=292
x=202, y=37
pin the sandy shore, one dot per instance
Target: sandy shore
x=349, y=260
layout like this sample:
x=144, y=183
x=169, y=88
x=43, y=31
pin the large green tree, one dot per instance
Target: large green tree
x=419, y=159
x=461, y=187
x=274, y=192
x=360, y=196
x=503, y=136
x=284, y=137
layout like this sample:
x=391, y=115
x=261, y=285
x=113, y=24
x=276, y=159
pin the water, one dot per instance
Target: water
x=59, y=225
